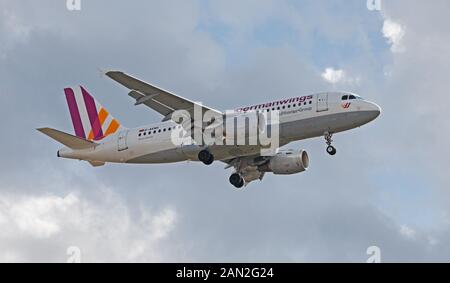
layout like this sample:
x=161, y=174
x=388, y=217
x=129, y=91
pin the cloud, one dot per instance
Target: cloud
x=12, y=30
x=333, y=76
x=227, y=54
x=394, y=33
x=39, y=216
x=407, y=232
x=93, y=225
x=338, y=76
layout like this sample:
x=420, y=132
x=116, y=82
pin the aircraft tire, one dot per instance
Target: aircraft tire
x=206, y=157
x=237, y=181
x=331, y=150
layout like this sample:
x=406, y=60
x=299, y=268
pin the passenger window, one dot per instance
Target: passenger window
x=352, y=97
x=345, y=97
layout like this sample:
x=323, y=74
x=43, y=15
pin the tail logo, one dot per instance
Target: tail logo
x=90, y=120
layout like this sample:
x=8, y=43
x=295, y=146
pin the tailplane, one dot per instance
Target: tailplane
x=90, y=120
x=68, y=140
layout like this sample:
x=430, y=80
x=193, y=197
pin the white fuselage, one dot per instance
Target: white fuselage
x=312, y=116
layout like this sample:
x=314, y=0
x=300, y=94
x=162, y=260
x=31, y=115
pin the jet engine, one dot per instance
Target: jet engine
x=287, y=162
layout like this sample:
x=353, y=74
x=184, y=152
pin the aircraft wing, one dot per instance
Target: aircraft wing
x=162, y=101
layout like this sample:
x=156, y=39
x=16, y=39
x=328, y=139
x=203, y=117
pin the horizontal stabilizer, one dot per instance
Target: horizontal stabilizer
x=68, y=140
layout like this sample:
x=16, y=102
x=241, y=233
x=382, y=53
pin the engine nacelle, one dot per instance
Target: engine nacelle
x=287, y=162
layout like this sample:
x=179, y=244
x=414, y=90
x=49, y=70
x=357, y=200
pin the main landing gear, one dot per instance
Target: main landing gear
x=237, y=181
x=330, y=149
x=206, y=157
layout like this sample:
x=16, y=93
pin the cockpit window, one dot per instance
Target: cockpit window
x=351, y=97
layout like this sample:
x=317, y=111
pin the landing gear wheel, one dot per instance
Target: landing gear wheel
x=210, y=160
x=206, y=157
x=237, y=181
x=329, y=140
x=331, y=150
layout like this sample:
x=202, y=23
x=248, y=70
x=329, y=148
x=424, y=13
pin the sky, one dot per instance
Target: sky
x=388, y=186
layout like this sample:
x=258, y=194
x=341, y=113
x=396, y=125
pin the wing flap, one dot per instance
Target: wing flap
x=150, y=102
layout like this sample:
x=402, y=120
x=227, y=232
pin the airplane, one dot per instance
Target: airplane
x=100, y=138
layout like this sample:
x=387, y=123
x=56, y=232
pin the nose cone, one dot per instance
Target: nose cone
x=374, y=107
x=374, y=111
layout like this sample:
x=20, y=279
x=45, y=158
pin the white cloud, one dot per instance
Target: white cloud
x=40, y=216
x=336, y=76
x=394, y=33
x=407, y=232
x=333, y=76
x=104, y=229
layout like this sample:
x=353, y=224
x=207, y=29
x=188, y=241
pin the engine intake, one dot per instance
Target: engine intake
x=287, y=162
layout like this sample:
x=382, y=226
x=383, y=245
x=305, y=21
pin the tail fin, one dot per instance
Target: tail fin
x=90, y=120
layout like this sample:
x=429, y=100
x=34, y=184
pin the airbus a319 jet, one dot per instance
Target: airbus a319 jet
x=99, y=138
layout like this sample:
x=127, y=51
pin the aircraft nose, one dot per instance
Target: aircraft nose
x=375, y=109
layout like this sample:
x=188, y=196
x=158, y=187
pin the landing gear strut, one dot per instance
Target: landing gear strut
x=206, y=157
x=237, y=181
x=330, y=149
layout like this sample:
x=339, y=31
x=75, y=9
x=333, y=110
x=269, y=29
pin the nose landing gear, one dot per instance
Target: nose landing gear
x=206, y=157
x=237, y=181
x=331, y=150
